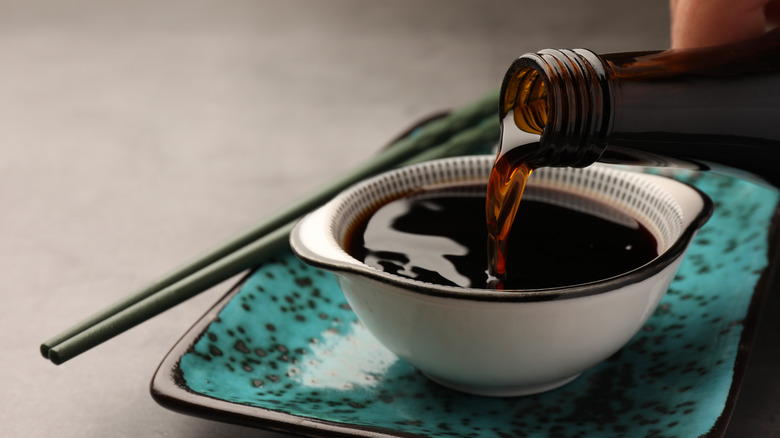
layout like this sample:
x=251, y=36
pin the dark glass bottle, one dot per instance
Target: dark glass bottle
x=712, y=108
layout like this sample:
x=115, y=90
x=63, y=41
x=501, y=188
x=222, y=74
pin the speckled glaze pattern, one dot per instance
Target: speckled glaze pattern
x=286, y=352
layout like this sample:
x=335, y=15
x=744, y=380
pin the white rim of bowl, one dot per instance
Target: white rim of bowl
x=316, y=231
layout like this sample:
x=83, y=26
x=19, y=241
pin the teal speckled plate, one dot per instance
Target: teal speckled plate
x=283, y=351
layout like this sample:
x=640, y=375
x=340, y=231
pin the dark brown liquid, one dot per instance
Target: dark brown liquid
x=439, y=237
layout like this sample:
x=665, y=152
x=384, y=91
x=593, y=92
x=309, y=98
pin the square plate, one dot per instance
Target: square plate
x=283, y=351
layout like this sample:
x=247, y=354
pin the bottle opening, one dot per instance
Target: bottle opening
x=562, y=97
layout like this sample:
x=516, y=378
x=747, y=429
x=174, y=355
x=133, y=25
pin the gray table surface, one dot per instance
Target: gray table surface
x=137, y=134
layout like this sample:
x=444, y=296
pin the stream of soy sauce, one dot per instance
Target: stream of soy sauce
x=506, y=185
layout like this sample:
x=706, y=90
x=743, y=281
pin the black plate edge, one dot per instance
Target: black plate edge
x=768, y=281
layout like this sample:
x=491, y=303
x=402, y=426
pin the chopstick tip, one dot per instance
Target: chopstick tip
x=45, y=348
x=55, y=357
x=48, y=351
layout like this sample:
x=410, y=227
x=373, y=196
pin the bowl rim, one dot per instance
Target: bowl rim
x=346, y=264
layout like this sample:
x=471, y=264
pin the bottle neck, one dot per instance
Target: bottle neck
x=563, y=97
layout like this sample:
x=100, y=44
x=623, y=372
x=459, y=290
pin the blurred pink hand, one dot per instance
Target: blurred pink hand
x=700, y=23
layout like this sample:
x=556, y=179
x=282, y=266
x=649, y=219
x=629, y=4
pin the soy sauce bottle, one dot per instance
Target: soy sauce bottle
x=711, y=108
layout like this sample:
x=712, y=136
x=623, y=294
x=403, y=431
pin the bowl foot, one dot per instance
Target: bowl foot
x=503, y=391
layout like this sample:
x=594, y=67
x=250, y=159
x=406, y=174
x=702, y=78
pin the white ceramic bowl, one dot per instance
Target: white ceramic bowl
x=506, y=343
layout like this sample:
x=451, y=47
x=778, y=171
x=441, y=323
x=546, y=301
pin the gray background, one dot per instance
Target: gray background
x=136, y=134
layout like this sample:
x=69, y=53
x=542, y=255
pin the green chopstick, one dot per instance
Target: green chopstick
x=166, y=298
x=461, y=131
